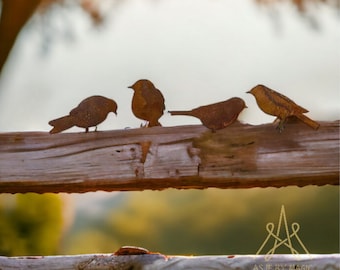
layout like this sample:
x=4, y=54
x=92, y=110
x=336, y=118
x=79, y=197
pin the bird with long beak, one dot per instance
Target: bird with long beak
x=218, y=115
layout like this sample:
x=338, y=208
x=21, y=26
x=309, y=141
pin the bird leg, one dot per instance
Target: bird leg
x=280, y=127
x=95, y=130
x=145, y=125
x=276, y=121
x=86, y=130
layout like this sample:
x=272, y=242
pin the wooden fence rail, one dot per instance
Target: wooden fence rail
x=240, y=156
x=162, y=262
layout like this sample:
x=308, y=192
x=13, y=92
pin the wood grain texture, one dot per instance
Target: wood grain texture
x=240, y=156
x=159, y=262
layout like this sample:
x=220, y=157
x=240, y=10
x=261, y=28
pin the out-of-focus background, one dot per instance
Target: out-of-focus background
x=54, y=53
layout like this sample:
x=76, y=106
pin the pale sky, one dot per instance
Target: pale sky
x=195, y=52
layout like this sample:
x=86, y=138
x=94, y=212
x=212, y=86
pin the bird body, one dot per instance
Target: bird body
x=218, y=115
x=147, y=102
x=89, y=113
x=276, y=104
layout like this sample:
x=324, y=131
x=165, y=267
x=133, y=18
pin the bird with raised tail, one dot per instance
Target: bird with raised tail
x=89, y=113
x=276, y=104
x=147, y=102
x=218, y=115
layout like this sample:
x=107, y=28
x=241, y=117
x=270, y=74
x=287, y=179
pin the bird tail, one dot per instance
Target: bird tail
x=61, y=124
x=308, y=121
x=180, y=112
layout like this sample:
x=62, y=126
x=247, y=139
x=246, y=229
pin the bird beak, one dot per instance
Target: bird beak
x=248, y=92
x=130, y=87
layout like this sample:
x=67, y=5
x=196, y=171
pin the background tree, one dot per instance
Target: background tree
x=30, y=224
x=16, y=13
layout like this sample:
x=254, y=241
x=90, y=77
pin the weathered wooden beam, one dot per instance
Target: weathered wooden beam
x=159, y=262
x=240, y=156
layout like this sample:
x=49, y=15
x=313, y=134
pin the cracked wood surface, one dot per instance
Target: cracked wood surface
x=239, y=156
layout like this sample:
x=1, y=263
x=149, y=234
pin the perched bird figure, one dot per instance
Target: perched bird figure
x=89, y=113
x=218, y=115
x=276, y=104
x=147, y=102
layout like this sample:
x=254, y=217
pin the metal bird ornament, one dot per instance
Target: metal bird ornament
x=89, y=113
x=218, y=115
x=276, y=104
x=147, y=102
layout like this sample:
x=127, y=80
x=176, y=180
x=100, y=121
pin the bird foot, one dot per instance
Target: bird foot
x=145, y=125
x=280, y=127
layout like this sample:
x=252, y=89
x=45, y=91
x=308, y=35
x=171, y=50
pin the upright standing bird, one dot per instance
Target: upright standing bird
x=218, y=115
x=89, y=113
x=276, y=104
x=147, y=102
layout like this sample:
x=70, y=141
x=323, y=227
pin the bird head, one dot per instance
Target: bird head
x=113, y=107
x=237, y=103
x=242, y=104
x=142, y=84
x=255, y=90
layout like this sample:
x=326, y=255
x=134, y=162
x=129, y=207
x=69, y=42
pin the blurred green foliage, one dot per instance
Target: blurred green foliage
x=197, y=222
x=210, y=221
x=30, y=224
